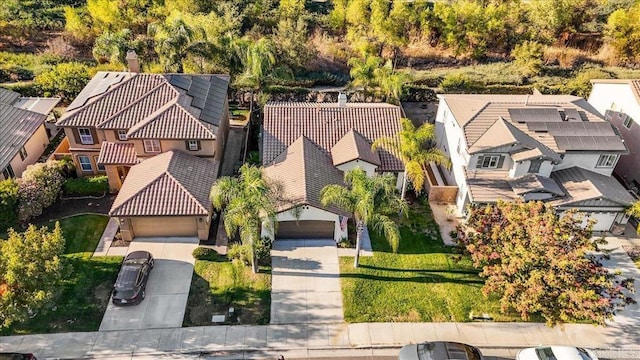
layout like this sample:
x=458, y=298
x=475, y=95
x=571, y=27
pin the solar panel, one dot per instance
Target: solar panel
x=572, y=115
x=534, y=115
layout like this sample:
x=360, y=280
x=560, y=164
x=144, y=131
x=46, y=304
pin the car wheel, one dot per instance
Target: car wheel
x=144, y=294
x=152, y=263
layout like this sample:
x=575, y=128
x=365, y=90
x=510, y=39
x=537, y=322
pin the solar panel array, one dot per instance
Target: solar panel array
x=573, y=128
x=534, y=115
x=572, y=115
x=604, y=143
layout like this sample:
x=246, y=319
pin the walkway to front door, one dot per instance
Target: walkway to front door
x=305, y=282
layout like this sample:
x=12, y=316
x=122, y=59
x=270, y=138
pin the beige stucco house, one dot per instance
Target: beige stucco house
x=23, y=137
x=160, y=124
x=307, y=146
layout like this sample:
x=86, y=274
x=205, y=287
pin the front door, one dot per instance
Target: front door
x=122, y=172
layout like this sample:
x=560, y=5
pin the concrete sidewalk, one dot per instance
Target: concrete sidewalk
x=307, y=339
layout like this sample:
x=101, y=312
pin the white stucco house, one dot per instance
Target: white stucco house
x=554, y=148
x=619, y=101
x=307, y=146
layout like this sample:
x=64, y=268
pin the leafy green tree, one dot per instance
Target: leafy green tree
x=580, y=84
x=290, y=39
x=539, y=263
x=416, y=149
x=258, y=59
x=30, y=271
x=337, y=17
x=8, y=204
x=363, y=71
x=39, y=188
x=634, y=211
x=75, y=25
x=528, y=57
x=113, y=47
x=390, y=82
x=370, y=201
x=175, y=40
x=105, y=15
x=246, y=203
x=623, y=32
x=65, y=80
x=551, y=18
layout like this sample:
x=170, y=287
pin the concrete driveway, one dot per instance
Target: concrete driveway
x=305, y=282
x=167, y=288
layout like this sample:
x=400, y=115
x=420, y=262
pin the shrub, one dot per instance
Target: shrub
x=459, y=82
x=87, y=186
x=528, y=57
x=39, y=187
x=8, y=204
x=240, y=252
x=263, y=251
x=65, y=80
x=203, y=253
x=580, y=85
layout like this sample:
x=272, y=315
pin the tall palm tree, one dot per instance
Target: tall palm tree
x=363, y=70
x=175, y=40
x=390, y=81
x=416, y=149
x=370, y=201
x=246, y=202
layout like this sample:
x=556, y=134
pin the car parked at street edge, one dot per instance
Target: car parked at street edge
x=556, y=353
x=131, y=283
x=16, y=356
x=440, y=350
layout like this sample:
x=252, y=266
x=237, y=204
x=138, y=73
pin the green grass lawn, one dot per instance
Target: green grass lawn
x=218, y=285
x=425, y=281
x=85, y=291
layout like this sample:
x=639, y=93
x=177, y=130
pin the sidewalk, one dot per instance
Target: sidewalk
x=305, y=340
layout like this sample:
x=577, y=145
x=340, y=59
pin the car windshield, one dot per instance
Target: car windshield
x=545, y=353
x=135, y=261
x=124, y=294
x=446, y=351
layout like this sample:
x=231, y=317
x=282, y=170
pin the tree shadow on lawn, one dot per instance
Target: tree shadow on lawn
x=427, y=276
x=378, y=268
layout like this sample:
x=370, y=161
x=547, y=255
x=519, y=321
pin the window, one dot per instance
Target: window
x=193, y=145
x=85, y=136
x=99, y=166
x=23, y=153
x=606, y=161
x=85, y=163
x=122, y=135
x=534, y=167
x=490, y=161
x=459, y=149
x=627, y=122
x=152, y=146
x=8, y=172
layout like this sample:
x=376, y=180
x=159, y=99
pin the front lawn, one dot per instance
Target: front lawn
x=425, y=281
x=218, y=285
x=85, y=291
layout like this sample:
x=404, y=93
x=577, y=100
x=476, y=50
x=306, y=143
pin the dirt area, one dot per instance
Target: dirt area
x=420, y=112
x=64, y=208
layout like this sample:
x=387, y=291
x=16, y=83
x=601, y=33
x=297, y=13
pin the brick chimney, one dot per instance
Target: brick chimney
x=132, y=61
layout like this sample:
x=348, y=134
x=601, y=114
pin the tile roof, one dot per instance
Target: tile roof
x=534, y=183
x=491, y=186
x=581, y=185
x=37, y=104
x=353, y=146
x=173, y=122
x=117, y=154
x=121, y=100
x=476, y=114
x=173, y=183
x=8, y=96
x=326, y=123
x=303, y=170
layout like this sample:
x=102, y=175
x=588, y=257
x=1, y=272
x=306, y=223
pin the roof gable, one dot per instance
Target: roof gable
x=172, y=122
x=582, y=185
x=353, y=146
x=16, y=128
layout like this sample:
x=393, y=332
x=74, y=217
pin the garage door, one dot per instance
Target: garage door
x=605, y=221
x=305, y=229
x=164, y=226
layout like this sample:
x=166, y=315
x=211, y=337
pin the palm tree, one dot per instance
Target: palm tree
x=390, y=81
x=363, y=70
x=416, y=149
x=258, y=58
x=175, y=40
x=370, y=201
x=247, y=202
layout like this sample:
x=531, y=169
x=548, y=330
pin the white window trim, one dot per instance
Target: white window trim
x=606, y=161
x=85, y=139
x=491, y=160
x=193, y=145
x=150, y=145
x=628, y=121
x=122, y=135
x=80, y=157
x=23, y=153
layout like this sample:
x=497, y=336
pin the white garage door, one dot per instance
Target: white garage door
x=605, y=220
x=305, y=229
x=164, y=226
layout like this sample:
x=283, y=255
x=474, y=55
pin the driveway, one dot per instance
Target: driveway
x=167, y=289
x=305, y=282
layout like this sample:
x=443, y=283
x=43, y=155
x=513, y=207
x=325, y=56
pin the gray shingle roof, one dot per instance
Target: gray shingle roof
x=8, y=96
x=16, y=128
x=326, y=123
x=170, y=184
x=121, y=100
x=303, y=170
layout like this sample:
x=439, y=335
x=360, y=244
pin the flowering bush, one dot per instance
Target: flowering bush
x=38, y=188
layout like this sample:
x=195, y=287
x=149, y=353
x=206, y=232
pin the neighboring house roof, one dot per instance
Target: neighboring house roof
x=325, y=124
x=117, y=154
x=303, y=170
x=170, y=184
x=535, y=183
x=115, y=100
x=17, y=125
x=587, y=188
x=559, y=122
x=353, y=146
x=40, y=105
x=634, y=84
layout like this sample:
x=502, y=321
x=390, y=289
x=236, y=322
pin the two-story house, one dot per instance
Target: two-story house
x=619, y=101
x=23, y=137
x=307, y=146
x=554, y=148
x=159, y=138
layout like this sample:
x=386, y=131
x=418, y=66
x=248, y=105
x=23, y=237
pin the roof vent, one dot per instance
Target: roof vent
x=132, y=61
x=342, y=99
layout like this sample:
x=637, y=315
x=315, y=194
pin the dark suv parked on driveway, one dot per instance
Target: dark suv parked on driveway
x=129, y=288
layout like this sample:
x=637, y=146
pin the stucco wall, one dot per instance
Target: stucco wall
x=34, y=147
x=207, y=147
x=368, y=168
x=585, y=161
x=522, y=168
x=309, y=213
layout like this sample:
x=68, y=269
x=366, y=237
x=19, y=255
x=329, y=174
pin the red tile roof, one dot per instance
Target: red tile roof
x=353, y=146
x=117, y=154
x=173, y=122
